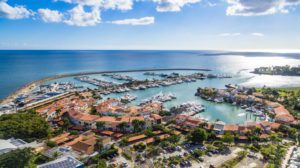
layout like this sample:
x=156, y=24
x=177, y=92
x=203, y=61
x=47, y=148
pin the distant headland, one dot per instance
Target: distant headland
x=278, y=70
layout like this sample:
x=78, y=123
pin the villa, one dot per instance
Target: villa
x=188, y=121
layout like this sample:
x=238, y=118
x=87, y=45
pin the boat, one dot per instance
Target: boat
x=127, y=98
x=230, y=86
x=188, y=108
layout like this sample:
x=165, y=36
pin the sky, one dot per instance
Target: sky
x=256, y=25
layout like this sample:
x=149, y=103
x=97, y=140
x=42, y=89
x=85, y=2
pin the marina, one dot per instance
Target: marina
x=155, y=88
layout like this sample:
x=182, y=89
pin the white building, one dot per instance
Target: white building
x=11, y=144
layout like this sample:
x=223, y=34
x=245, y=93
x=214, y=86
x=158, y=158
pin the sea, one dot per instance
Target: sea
x=19, y=67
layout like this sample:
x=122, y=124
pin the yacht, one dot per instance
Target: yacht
x=127, y=98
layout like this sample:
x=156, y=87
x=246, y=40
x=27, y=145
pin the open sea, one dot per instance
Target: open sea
x=20, y=67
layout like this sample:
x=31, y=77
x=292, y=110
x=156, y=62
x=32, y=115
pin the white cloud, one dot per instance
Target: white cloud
x=105, y=4
x=135, y=22
x=17, y=12
x=229, y=34
x=118, y=4
x=259, y=7
x=79, y=17
x=49, y=16
x=257, y=34
x=172, y=5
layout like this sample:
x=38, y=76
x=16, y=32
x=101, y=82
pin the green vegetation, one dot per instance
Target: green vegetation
x=278, y=70
x=206, y=92
x=16, y=158
x=228, y=138
x=126, y=156
x=139, y=147
x=231, y=163
x=273, y=153
x=289, y=97
x=138, y=125
x=93, y=110
x=27, y=126
x=51, y=144
x=198, y=135
x=101, y=164
x=100, y=125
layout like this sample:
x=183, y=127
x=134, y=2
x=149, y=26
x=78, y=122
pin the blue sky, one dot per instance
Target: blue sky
x=150, y=24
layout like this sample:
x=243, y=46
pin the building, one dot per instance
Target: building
x=11, y=144
x=63, y=162
x=84, y=143
x=188, y=121
x=219, y=127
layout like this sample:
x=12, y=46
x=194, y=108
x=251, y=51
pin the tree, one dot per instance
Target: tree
x=51, y=144
x=198, y=135
x=174, y=138
x=16, y=158
x=138, y=125
x=228, y=138
x=100, y=125
x=93, y=110
x=26, y=125
x=67, y=123
x=101, y=164
x=122, y=126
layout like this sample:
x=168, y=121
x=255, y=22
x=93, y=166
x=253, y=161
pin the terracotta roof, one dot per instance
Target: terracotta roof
x=231, y=127
x=138, y=137
x=243, y=137
x=81, y=147
x=156, y=116
x=150, y=140
x=176, y=132
x=281, y=110
x=109, y=133
x=286, y=118
x=264, y=136
x=60, y=138
x=118, y=135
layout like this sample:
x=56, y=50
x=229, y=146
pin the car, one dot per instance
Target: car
x=201, y=159
x=209, y=154
x=172, y=166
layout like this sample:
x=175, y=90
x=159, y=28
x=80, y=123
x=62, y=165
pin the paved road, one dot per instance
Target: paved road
x=287, y=157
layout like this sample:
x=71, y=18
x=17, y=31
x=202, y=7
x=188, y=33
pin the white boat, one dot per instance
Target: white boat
x=127, y=98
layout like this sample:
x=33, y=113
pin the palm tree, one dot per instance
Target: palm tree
x=122, y=126
x=100, y=125
x=138, y=125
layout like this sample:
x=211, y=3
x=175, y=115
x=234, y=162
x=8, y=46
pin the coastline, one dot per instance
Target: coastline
x=31, y=85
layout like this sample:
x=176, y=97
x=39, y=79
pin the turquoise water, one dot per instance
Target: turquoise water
x=185, y=93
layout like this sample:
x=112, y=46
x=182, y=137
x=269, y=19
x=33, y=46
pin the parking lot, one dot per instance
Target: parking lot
x=217, y=160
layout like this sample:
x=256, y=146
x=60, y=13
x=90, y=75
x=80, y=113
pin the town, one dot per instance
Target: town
x=77, y=127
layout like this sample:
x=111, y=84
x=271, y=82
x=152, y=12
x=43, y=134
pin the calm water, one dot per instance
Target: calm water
x=20, y=67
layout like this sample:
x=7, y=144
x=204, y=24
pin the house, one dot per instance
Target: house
x=188, y=121
x=84, y=143
x=284, y=118
x=269, y=126
x=61, y=138
x=231, y=128
x=219, y=127
x=67, y=161
x=11, y=144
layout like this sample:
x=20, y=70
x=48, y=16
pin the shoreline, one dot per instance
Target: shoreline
x=31, y=85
